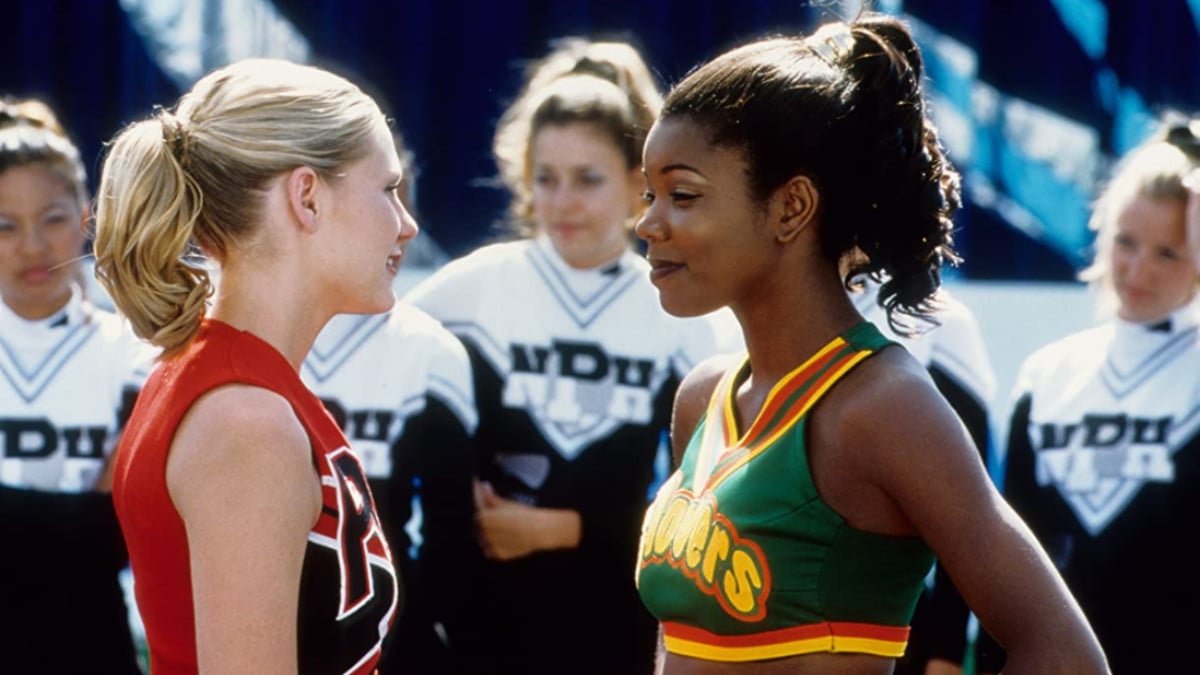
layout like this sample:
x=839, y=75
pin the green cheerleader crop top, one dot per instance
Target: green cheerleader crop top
x=741, y=560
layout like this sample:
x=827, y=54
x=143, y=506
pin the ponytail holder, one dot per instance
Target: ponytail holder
x=832, y=43
x=11, y=112
x=8, y=113
x=601, y=69
x=175, y=135
x=1185, y=135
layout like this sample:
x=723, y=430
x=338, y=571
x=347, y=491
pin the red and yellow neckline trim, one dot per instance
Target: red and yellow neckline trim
x=788, y=401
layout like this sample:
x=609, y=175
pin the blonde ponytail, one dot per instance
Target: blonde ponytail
x=146, y=216
x=195, y=178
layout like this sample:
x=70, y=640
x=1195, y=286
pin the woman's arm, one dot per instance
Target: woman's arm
x=893, y=440
x=509, y=529
x=240, y=474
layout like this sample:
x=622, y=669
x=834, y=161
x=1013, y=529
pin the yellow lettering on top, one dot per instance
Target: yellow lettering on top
x=691, y=534
x=683, y=533
x=742, y=581
x=698, y=540
x=654, y=513
x=716, y=551
x=669, y=524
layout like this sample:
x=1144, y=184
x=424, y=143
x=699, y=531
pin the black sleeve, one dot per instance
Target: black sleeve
x=1047, y=516
x=60, y=554
x=613, y=527
x=78, y=527
x=129, y=395
x=437, y=450
x=1020, y=483
x=611, y=530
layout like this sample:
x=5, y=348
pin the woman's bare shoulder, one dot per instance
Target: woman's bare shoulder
x=234, y=435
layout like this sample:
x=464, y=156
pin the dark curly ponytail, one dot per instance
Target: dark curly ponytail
x=844, y=107
x=901, y=198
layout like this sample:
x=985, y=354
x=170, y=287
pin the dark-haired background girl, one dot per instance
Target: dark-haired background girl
x=70, y=374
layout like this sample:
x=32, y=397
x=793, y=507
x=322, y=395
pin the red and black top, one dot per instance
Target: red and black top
x=349, y=588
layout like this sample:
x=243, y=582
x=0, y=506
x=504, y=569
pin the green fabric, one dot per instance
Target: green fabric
x=816, y=568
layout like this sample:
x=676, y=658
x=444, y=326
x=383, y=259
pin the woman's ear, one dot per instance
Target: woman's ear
x=303, y=185
x=800, y=202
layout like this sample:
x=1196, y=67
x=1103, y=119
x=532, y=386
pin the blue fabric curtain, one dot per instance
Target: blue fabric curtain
x=445, y=68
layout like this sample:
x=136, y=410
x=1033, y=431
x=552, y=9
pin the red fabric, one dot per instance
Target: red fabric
x=155, y=534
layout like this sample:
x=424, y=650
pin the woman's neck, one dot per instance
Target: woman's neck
x=792, y=320
x=275, y=307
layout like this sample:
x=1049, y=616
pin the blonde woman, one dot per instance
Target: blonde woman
x=399, y=386
x=251, y=528
x=1104, y=439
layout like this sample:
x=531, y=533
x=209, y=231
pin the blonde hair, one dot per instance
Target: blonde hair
x=1156, y=169
x=602, y=83
x=193, y=180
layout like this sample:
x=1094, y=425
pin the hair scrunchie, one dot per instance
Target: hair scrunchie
x=175, y=135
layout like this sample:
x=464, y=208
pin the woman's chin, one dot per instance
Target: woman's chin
x=684, y=307
x=384, y=302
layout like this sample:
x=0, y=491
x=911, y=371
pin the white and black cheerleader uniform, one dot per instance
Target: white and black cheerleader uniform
x=1103, y=464
x=399, y=386
x=956, y=357
x=575, y=375
x=68, y=384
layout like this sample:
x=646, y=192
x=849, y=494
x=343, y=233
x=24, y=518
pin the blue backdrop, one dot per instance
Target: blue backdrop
x=1035, y=97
